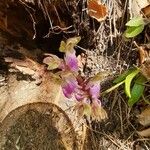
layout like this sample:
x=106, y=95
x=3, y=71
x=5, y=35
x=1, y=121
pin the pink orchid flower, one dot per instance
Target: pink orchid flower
x=85, y=91
x=71, y=61
x=94, y=89
x=69, y=86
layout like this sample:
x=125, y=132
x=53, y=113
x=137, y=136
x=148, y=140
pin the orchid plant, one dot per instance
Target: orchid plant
x=84, y=91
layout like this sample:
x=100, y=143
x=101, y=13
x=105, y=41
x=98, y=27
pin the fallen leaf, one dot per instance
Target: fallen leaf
x=143, y=54
x=145, y=133
x=145, y=61
x=146, y=11
x=135, y=7
x=27, y=66
x=96, y=10
x=25, y=70
x=144, y=117
x=145, y=68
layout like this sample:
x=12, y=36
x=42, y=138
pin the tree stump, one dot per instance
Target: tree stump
x=27, y=108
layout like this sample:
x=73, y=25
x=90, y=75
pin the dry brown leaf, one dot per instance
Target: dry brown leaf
x=144, y=59
x=25, y=70
x=146, y=11
x=135, y=7
x=145, y=69
x=144, y=117
x=97, y=10
x=143, y=54
x=145, y=133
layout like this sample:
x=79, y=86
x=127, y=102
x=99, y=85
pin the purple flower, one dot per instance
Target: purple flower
x=85, y=91
x=71, y=61
x=94, y=89
x=79, y=95
x=69, y=86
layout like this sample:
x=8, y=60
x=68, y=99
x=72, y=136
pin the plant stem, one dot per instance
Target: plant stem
x=113, y=87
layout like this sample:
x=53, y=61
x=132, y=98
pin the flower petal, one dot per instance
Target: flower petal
x=69, y=44
x=69, y=86
x=71, y=61
x=94, y=89
x=79, y=95
x=72, y=42
x=62, y=47
x=83, y=109
x=98, y=113
x=52, y=61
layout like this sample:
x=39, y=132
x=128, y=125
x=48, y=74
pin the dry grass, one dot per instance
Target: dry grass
x=119, y=131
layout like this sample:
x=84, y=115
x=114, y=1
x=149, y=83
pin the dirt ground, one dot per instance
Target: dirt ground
x=29, y=33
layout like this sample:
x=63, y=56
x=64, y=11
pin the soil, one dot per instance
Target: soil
x=102, y=47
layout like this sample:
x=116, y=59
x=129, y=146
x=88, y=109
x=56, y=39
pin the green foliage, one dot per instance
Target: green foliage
x=134, y=27
x=133, y=31
x=127, y=78
x=113, y=87
x=123, y=76
x=137, y=90
x=135, y=22
x=128, y=81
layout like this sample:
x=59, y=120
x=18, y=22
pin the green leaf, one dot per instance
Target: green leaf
x=124, y=75
x=137, y=90
x=135, y=22
x=133, y=31
x=128, y=80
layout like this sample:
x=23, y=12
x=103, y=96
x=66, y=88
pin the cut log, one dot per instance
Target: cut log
x=18, y=98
